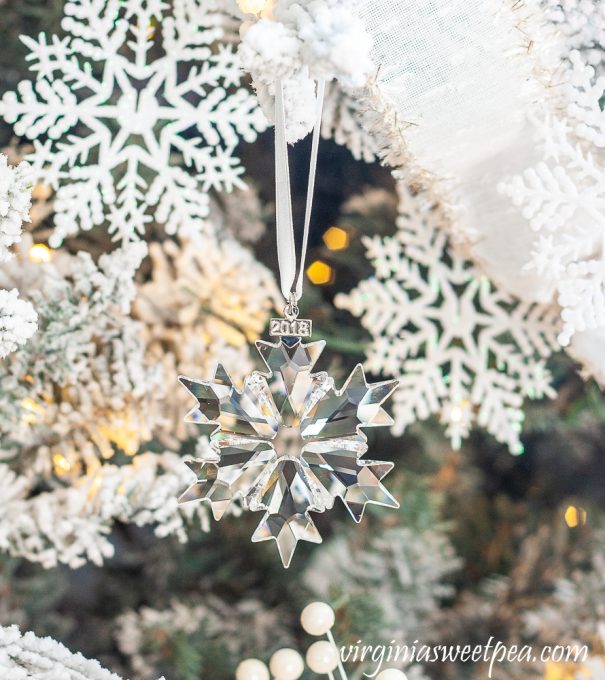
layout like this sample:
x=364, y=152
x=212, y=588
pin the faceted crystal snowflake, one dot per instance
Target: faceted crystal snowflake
x=135, y=90
x=289, y=443
x=460, y=347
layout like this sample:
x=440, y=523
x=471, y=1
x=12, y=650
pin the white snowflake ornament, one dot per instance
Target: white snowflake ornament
x=289, y=443
x=134, y=91
x=458, y=347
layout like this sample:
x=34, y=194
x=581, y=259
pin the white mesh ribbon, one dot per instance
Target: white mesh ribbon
x=457, y=87
x=459, y=76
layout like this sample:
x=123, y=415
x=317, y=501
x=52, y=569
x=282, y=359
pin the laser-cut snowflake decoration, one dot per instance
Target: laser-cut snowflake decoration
x=460, y=348
x=133, y=92
x=289, y=443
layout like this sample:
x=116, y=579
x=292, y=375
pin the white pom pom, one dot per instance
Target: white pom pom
x=252, y=669
x=287, y=664
x=322, y=657
x=305, y=42
x=317, y=618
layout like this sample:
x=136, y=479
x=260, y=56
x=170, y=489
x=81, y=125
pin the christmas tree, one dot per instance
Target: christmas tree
x=455, y=246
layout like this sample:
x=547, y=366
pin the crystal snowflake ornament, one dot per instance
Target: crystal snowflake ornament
x=135, y=114
x=289, y=443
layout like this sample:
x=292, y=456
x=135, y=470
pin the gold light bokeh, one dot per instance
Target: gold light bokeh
x=61, y=465
x=563, y=670
x=320, y=273
x=575, y=516
x=39, y=253
x=336, y=238
x=252, y=6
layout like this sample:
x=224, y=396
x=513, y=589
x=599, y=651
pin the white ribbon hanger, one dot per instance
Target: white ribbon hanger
x=291, y=274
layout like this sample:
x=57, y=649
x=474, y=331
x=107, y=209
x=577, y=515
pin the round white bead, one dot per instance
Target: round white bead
x=317, y=618
x=391, y=674
x=287, y=664
x=252, y=669
x=322, y=657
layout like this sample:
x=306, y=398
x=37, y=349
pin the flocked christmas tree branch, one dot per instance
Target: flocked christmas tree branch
x=27, y=656
x=18, y=319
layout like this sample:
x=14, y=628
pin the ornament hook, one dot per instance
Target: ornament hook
x=291, y=309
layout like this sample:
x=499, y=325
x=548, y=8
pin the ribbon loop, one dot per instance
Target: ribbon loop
x=291, y=273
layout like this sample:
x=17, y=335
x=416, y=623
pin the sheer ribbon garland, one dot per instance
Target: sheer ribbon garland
x=459, y=86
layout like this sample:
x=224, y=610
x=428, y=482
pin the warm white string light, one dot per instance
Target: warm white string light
x=252, y=6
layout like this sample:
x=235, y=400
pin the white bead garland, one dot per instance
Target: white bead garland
x=317, y=618
x=391, y=674
x=322, y=657
x=287, y=664
x=252, y=669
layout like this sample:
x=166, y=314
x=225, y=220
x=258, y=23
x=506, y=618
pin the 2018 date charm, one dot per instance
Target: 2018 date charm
x=300, y=328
